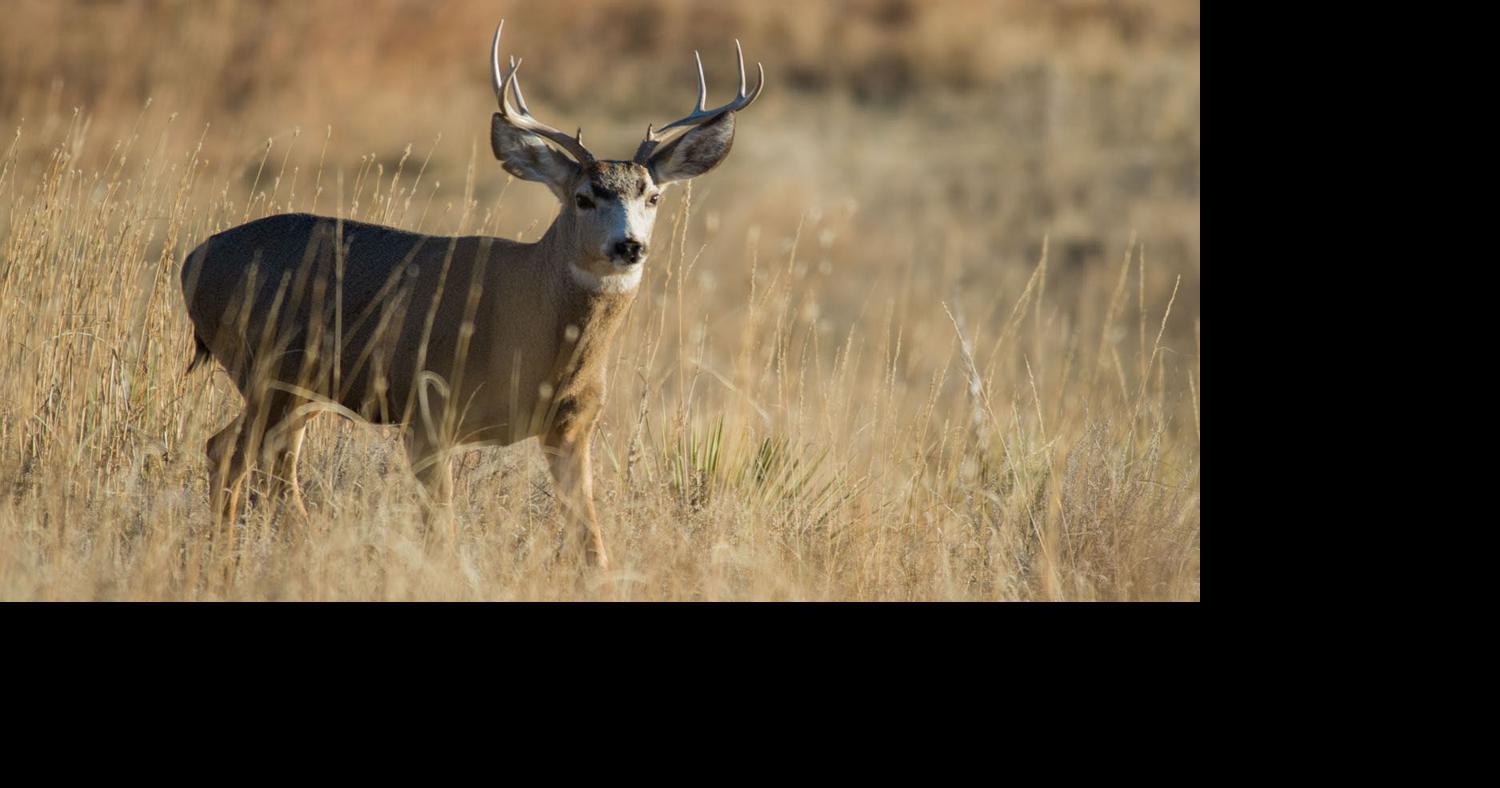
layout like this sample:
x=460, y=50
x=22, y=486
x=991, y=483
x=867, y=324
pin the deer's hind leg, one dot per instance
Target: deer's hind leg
x=284, y=449
x=269, y=432
x=229, y=462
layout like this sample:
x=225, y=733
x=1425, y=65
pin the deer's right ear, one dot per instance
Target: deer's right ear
x=530, y=159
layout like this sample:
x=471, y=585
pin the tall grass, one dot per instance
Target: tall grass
x=932, y=336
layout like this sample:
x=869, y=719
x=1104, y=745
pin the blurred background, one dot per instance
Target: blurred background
x=896, y=184
x=1077, y=119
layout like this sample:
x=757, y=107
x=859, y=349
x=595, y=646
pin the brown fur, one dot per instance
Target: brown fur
x=461, y=341
x=521, y=373
x=617, y=178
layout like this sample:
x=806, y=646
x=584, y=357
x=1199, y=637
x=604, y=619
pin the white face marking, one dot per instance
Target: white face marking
x=616, y=219
x=623, y=282
x=640, y=218
x=613, y=210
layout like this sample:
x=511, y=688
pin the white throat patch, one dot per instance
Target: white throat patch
x=622, y=282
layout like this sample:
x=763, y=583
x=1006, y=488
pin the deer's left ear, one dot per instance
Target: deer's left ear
x=695, y=152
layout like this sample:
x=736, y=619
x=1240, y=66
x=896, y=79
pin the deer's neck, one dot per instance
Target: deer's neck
x=590, y=309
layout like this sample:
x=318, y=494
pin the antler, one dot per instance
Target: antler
x=699, y=115
x=521, y=117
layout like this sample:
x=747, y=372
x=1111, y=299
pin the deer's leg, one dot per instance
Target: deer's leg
x=262, y=433
x=568, y=459
x=433, y=467
x=229, y=462
x=284, y=455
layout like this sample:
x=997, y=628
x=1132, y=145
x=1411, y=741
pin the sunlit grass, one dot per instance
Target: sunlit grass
x=840, y=380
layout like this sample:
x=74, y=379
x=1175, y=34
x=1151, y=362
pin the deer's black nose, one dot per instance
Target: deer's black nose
x=630, y=251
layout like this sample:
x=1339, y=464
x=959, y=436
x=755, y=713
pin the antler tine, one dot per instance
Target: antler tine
x=516, y=87
x=497, y=78
x=699, y=115
x=521, y=117
x=702, y=84
x=739, y=55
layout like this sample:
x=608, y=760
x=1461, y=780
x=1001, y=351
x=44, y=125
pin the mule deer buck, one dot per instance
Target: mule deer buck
x=459, y=340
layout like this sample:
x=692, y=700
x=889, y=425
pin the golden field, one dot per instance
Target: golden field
x=930, y=333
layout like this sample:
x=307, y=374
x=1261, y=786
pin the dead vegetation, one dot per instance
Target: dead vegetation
x=939, y=340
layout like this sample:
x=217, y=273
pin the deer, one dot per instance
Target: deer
x=458, y=341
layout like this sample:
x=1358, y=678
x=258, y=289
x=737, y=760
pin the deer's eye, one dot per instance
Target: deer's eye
x=584, y=202
x=655, y=198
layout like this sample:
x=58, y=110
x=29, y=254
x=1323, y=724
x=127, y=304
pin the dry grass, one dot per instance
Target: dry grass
x=930, y=333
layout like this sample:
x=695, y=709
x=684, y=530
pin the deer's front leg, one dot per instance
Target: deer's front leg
x=568, y=459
